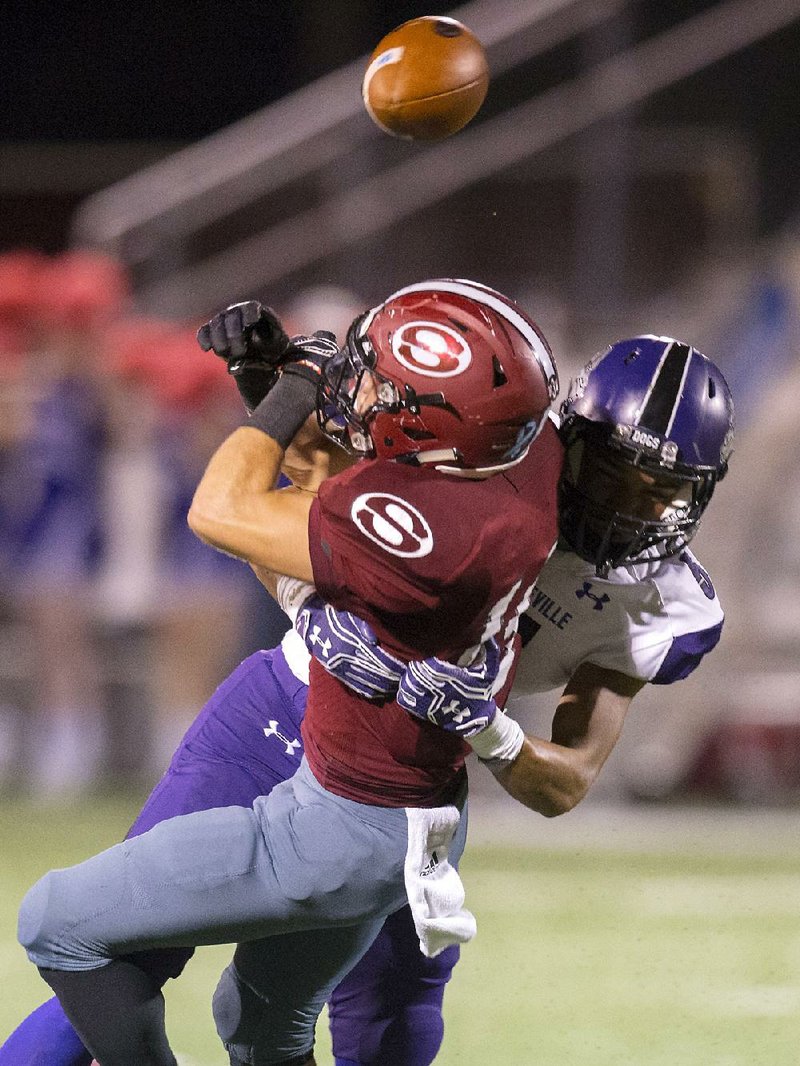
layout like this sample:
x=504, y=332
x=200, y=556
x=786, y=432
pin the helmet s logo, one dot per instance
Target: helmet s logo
x=392, y=524
x=431, y=349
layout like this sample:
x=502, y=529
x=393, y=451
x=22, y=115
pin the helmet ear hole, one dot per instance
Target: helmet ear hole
x=499, y=374
x=413, y=433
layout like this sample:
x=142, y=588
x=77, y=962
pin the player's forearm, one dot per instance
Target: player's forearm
x=547, y=777
x=237, y=509
x=552, y=776
x=245, y=466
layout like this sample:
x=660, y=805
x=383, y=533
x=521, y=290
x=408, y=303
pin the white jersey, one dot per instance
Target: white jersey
x=653, y=621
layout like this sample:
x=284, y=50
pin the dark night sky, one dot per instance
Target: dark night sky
x=90, y=71
x=174, y=71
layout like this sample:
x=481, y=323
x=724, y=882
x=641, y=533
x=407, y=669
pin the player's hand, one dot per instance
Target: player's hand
x=251, y=339
x=348, y=648
x=455, y=698
x=306, y=356
x=247, y=329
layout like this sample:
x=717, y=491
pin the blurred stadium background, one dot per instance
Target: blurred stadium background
x=635, y=167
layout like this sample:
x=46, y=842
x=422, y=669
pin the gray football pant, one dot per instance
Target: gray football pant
x=311, y=871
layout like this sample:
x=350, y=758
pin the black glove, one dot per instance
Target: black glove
x=286, y=407
x=306, y=356
x=251, y=339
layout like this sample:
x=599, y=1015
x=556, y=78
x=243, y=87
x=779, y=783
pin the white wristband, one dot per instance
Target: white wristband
x=292, y=593
x=501, y=741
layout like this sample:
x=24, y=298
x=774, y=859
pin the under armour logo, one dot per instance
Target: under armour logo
x=315, y=639
x=273, y=731
x=458, y=712
x=587, y=592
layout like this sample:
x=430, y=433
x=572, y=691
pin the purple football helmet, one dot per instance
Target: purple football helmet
x=648, y=431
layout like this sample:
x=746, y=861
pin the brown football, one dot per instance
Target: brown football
x=426, y=79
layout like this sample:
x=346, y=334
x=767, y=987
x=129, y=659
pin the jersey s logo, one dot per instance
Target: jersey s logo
x=392, y=524
x=431, y=349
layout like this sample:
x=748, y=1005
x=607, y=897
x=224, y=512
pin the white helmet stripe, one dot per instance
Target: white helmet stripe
x=483, y=295
x=366, y=321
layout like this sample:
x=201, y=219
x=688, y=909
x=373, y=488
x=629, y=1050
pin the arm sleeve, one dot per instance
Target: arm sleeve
x=691, y=622
x=685, y=654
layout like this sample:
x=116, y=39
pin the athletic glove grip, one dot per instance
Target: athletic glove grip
x=348, y=649
x=459, y=700
x=251, y=339
x=293, y=397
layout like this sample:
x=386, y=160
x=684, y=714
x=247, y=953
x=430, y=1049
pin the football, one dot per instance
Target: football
x=426, y=79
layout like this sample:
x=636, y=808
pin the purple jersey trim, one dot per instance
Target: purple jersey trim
x=685, y=655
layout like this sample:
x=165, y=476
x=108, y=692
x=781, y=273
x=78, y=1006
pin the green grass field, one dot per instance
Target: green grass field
x=584, y=956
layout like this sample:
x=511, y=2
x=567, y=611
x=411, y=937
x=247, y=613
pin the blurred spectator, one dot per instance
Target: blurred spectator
x=51, y=499
x=19, y=274
x=759, y=563
x=107, y=422
x=737, y=733
x=172, y=407
x=19, y=295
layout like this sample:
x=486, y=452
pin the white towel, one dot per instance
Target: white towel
x=435, y=891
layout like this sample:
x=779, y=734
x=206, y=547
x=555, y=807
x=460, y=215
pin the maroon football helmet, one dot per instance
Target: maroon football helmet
x=448, y=372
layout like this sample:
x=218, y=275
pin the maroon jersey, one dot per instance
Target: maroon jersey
x=436, y=564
